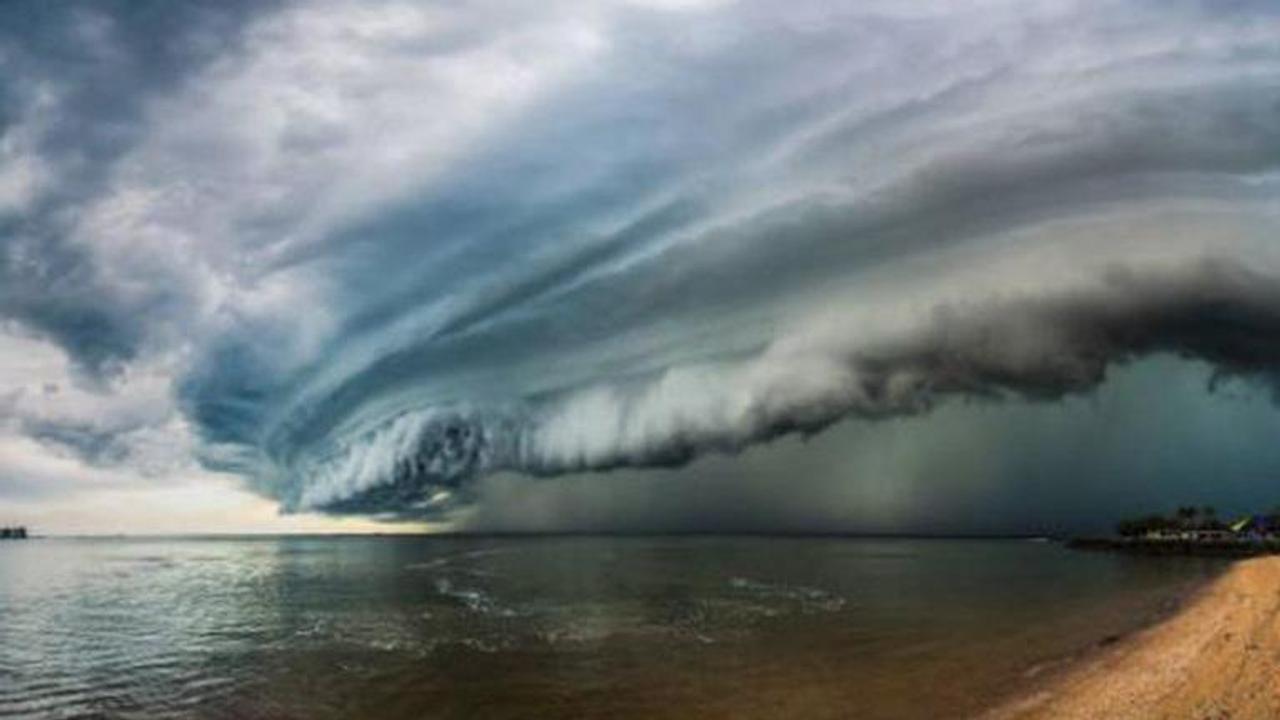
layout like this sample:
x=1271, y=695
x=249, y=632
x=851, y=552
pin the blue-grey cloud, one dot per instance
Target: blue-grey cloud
x=76, y=80
x=1148, y=439
x=392, y=249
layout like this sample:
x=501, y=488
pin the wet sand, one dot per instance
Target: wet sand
x=1219, y=657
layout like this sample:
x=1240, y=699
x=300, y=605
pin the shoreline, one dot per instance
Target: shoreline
x=1226, y=547
x=1216, y=656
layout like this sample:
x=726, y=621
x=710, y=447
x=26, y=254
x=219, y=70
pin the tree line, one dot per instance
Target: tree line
x=1185, y=517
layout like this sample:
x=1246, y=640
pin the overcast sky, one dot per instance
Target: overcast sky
x=983, y=266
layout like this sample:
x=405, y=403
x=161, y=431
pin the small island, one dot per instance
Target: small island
x=1192, y=530
x=13, y=533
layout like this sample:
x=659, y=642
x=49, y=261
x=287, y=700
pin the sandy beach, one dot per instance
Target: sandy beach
x=1217, y=658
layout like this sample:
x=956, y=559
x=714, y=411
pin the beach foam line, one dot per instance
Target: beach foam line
x=1219, y=657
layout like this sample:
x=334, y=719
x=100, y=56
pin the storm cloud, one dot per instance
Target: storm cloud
x=384, y=253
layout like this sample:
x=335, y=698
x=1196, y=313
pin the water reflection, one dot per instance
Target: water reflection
x=563, y=626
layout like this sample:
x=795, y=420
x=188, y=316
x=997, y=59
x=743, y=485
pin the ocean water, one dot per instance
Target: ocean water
x=548, y=627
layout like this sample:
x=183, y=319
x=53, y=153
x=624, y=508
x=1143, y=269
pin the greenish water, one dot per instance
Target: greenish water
x=680, y=627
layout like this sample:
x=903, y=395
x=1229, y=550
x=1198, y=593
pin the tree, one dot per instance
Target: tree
x=1136, y=527
x=1187, y=515
x=1129, y=527
x=1209, y=518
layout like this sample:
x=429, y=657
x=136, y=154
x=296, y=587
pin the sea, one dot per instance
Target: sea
x=556, y=626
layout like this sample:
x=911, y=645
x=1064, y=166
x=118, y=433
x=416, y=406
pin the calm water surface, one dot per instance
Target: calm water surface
x=384, y=627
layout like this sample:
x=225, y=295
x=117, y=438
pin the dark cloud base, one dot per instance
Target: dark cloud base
x=1039, y=348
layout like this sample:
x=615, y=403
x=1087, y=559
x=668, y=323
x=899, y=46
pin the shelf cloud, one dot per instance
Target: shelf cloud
x=375, y=254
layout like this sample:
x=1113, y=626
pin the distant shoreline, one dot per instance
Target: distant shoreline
x=462, y=535
x=1213, y=658
x=1176, y=546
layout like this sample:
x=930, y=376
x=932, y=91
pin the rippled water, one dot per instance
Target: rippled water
x=385, y=627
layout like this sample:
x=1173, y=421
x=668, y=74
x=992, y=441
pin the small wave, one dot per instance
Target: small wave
x=473, y=599
x=428, y=565
x=316, y=628
x=453, y=560
x=810, y=599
